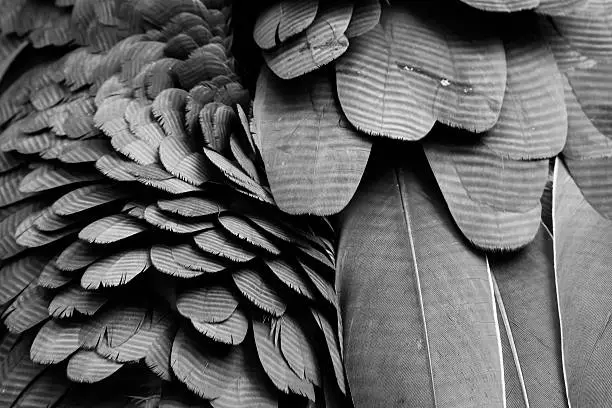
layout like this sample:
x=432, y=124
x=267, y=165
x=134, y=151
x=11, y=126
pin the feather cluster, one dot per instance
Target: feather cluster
x=141, y=246
x=490, y=97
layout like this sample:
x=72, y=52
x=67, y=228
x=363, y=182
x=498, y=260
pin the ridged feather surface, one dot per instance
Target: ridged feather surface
x=139, y=235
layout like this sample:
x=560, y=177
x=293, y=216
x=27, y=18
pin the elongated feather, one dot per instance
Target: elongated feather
x=526, y=294
x=582, y=239
x=416, y=295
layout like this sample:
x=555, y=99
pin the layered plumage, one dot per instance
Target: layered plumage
x=440, y=121
x=142, y=251
x=163, y=244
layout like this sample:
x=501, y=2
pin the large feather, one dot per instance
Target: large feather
x=421, y=325
x=582, y=259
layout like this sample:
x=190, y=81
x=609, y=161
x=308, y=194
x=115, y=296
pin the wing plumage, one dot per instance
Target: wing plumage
x=141, y=239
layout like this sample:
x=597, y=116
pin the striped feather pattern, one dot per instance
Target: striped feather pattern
x=17, y=274
x=191, y=258
x=232, y=331
x=244, y=158
x=283, y=20
x=588, y=30
x=190, y=206
x=48, y=177
x=120, y=253
x=77, y=255
x=10, y=192
x=111, y=229
x=504, y=6
x=76, y=299
x=52, y=277
x=162, y=220
x=494, y=200
x=590, y=127
x=594, y=178
x=18, y=371
x=324, y=40
x=236, y=175
x=8, y=227
x=332, y=347
x=140, y=120
x=588, y=149
x=223, y=377
x=28, y=309
x=9, y=161
x=366, y=14
x=298, y=351
x=87, y=198
x=241, y=229
x=117, y=269
x=163, y=260
x=291, y=275
x=211, y=304
x=180, y=159
x=533, y=120
x=137, y=150
x=314, y=159
x=255, y=288
x=275, y=365
x=89, y=367
x=219, y=243
x=217, y=121
x=419, y=64
x=137, y=346
x=54, y=342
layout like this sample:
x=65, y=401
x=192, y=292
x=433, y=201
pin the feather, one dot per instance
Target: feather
x=230, y=381
x=117, y=269
x=314, y=159
x=48, y=177
x=163, y=260
x=88, y=198
x=155, y=216
x=366, y=16
x=239, y=177
x=28, y=309
x=335, y=352
x=525, y=292
x=190, y=206
x=259, y=291
x=494, y=200
x=111, y=229
x=219, y=243
x=217, y=121
x=232, y=331
x=291, y=275
x=55, y=342
x=456, y=87
x=53, y=277
x=298, y=351
x=282, y=20
x=275, y=365
x=319, y=44
x=76, y=299
x=179, y=157
x=242, y=229
x=405, y=272
x=581, y=236
x=210, y=304
x=87, y=367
